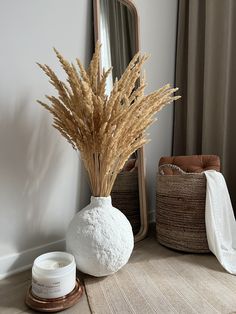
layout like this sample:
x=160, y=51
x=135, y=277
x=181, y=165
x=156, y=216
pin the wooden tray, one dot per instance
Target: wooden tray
x=54, y=305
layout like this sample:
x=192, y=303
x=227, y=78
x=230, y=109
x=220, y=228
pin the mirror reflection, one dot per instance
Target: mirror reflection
x=118, y=35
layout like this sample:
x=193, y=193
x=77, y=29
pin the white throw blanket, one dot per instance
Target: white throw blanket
x=220, y=222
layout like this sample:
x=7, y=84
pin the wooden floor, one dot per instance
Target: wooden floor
x=12, y=294
x=188, y=283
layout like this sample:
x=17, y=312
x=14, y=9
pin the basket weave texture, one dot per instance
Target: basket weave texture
x=125, y=196
x=180, y=216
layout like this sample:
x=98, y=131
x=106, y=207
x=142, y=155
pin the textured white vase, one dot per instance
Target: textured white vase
x=100, y=237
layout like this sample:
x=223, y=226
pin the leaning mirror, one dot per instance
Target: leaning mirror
x=116, y=27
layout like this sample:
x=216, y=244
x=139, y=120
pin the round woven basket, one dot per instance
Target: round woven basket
x=180, y=204
x=125, y=197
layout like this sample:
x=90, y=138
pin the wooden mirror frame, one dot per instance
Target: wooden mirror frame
x=140, y=152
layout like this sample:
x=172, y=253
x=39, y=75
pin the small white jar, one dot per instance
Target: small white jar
x=53, y=275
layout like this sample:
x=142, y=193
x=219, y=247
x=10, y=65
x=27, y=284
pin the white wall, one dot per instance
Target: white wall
x=41, y=185
x=158, y=20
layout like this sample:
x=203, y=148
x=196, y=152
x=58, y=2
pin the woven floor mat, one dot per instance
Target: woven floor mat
x=159, y=280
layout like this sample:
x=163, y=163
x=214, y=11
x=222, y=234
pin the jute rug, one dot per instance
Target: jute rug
x=159, y=280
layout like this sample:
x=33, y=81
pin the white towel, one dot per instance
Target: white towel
x=220, y=221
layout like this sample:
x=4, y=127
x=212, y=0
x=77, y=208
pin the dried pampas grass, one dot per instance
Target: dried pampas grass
x=105, y=129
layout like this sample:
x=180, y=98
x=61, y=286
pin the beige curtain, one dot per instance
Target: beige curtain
x=205, y=118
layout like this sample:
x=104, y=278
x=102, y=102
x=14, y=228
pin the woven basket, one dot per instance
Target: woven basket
x=180, y=203
x=125, y=196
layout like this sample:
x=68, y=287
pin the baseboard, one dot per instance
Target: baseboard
x=17, y=262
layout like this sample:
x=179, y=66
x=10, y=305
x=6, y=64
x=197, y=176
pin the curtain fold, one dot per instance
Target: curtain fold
x=118, y=35
x=205, y=118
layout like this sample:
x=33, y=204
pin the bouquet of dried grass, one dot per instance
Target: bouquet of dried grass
x=105, y=129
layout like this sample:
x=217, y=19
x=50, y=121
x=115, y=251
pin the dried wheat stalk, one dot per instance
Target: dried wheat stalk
x=106, y=130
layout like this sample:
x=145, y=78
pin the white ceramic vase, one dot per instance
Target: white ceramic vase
x=100, y=237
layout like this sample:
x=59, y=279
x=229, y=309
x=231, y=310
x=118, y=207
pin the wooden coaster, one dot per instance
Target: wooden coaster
x=54, y=305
